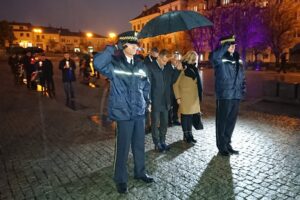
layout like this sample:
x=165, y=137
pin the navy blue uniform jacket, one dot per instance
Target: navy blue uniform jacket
x=229, y=74
x=129, y=85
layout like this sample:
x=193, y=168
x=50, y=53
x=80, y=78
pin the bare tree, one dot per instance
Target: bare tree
x=280, y=20
x=6, y=33
x=52, y=44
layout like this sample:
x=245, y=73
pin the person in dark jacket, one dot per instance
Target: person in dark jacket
x=128, y=100
x=14, y=66
x=67, y=67
x=152, y=56
x=39, y=74
x=173, y=112
x=283, y=62
x=230, y=88
x=48, y=75
x=161, y=79
x=28, y=64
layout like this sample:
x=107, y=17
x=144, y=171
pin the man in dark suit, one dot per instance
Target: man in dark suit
x=152, y=56
x=161, y=79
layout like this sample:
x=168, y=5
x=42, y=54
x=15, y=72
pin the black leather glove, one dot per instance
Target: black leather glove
x=119, y=46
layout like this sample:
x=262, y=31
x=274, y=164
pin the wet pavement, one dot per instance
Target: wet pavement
x=49, y=151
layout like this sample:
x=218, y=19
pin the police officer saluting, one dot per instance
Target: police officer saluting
x=230, y=88
x=128, y=100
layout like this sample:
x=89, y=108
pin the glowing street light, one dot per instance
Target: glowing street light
x=112, y=35
x=37, y=30
x=89, y=35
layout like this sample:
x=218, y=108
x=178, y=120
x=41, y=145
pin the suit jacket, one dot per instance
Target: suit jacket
x=161, y=86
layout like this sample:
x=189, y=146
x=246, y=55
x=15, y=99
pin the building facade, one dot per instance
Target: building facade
x=183, y=41
x=53, y=39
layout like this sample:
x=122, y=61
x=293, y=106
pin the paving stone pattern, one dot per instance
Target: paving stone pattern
x=49, y=151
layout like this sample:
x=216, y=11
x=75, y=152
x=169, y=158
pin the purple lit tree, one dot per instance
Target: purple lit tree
x=280, y=19
x=243, y=20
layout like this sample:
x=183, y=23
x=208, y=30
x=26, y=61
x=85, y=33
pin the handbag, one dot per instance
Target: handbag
x=197, y=121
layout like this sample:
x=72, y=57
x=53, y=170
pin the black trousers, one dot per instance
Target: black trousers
x=173, y=112
x=159, y=125
x=129, y=133
x=226, y=116
x=186, y=123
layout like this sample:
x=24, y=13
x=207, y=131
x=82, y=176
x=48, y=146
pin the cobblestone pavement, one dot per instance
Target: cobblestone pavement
x=48, y=151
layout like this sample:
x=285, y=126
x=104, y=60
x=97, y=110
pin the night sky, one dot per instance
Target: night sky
x=99, y=16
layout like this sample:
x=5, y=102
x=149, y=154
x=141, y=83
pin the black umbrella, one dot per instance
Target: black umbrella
x=172, y=22
x=34, y=50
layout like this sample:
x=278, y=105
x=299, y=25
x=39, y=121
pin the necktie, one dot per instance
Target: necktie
x=131, y=62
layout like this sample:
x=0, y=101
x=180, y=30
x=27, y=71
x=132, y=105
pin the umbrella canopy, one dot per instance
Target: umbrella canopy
x=34, y=50
x=172, y=22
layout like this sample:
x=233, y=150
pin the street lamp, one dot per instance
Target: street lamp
x=112, y=35
x=89, y=35
x=37, y=30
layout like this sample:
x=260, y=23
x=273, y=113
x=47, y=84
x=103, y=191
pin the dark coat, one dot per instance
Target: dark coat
x=129, y=85
x=161, y=85
x=28, y=64
x=229, y=74
x=48, y=69
x=148, y=60
x=68, y=74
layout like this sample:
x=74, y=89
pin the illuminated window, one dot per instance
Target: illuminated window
x=195, y=8
x=21, y=34
x=27, y=34
x=134, y=28
x=226, y=2
x=21, y=28
x=169, y=40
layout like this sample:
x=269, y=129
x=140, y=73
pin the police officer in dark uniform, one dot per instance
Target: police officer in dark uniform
x=230, y=88
x=128, y=100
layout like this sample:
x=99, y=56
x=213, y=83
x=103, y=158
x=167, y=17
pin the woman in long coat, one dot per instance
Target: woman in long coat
x=188, y=93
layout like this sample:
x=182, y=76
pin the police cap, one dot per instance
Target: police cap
x=228, y=39
x=128, y=37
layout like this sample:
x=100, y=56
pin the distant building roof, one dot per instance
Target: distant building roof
x=152, y=10
x=20, y=23
x=54, y=30
x=166, y=2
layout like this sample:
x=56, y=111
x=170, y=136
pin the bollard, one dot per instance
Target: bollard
x=288, y=90
x=270, y=88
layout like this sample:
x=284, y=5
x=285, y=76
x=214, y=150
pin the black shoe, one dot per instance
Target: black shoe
x=187, y=138
x=232, y=151
x=159, y=148
x=192, y=138
x=122, y=188
x=146, y=178
x=224, y=153
x=165, y=147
